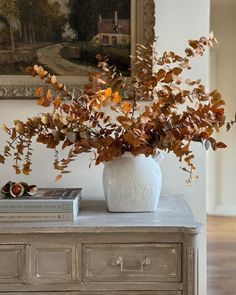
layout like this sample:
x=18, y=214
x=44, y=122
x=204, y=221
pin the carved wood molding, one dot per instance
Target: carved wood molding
x=192, y=270
x=142, y=31
x=148, y=22
x=23, y=87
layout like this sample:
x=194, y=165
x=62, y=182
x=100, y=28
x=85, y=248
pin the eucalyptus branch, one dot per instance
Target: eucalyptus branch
x=168, y=123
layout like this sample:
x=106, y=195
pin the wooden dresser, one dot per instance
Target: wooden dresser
x=103, y=253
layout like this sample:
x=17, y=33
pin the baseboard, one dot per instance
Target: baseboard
x=224, y=210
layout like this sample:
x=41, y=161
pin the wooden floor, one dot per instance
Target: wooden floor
x=221, y=256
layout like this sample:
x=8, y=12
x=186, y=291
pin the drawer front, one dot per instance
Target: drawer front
x=132, y=262
x=12, y=263
x=52, y=264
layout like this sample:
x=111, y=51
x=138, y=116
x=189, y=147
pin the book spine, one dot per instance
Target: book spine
x=22, y=206
x=9, y=217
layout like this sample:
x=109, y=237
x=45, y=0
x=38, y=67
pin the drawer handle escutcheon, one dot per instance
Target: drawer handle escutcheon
x=120, y=261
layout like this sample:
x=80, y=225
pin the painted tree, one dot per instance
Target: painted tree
x=56, y=22
x=41, y=21
x=9, y=11
x=107, y=8
x=26, y=12
x=83, y=18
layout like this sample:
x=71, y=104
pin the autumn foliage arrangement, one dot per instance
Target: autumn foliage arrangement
x=178, y=112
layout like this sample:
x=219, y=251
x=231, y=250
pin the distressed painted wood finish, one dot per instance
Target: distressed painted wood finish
x=103, y=253
x=132, y=263
x=53, y=263
x=172, y=215
x=12, y=263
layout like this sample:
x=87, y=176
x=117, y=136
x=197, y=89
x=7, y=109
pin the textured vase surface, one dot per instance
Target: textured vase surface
x=132, y=184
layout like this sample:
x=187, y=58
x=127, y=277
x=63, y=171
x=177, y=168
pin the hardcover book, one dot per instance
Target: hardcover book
x=46, y=201
x=43, y=217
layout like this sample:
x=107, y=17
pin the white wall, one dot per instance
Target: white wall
x=177, y=21
x=43, y=173
x=222, y=175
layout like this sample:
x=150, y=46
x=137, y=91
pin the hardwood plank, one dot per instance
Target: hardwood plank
x=221, y=260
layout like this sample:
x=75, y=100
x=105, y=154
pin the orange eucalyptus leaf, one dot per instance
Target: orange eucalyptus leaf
x=2, y=159
x=19, y=126
x=49, y=95
x=221, y=145
x=108, y=92
x=132, y=140
x=39, y=91
x=58, y=178
x=116, y=97
x=126, y=107
x=5, y=128
x=56, y=101
x=43, y=102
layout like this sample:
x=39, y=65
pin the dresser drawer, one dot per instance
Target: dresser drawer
x=132, y=262
x=12, y=263
x=53, y=263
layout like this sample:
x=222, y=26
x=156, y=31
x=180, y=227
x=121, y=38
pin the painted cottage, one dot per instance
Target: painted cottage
x=113, y=31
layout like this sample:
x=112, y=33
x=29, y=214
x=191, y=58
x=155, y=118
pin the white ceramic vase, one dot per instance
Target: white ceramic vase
x=132, y=183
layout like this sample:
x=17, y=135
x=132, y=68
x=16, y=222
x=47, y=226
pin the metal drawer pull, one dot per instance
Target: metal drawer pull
x=120, y=261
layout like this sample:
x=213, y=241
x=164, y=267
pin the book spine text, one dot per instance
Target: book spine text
x=36, y=206
x=9, y=217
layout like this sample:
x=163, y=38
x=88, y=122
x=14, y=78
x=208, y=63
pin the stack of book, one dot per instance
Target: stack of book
x=47, y=205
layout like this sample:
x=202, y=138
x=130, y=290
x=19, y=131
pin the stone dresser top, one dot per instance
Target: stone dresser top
x=173, y=215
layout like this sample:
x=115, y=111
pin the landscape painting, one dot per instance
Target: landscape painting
x=64, y=35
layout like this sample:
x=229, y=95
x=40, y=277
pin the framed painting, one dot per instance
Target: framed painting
x=64, y=36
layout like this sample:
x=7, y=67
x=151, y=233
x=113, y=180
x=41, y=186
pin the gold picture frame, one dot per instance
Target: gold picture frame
x=142, y=20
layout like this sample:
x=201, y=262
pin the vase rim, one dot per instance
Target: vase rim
x=158, y=157
x=130, y=155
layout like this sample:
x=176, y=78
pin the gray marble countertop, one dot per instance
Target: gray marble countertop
x=173, y=215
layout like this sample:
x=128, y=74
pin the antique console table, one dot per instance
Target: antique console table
x=103, y=253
